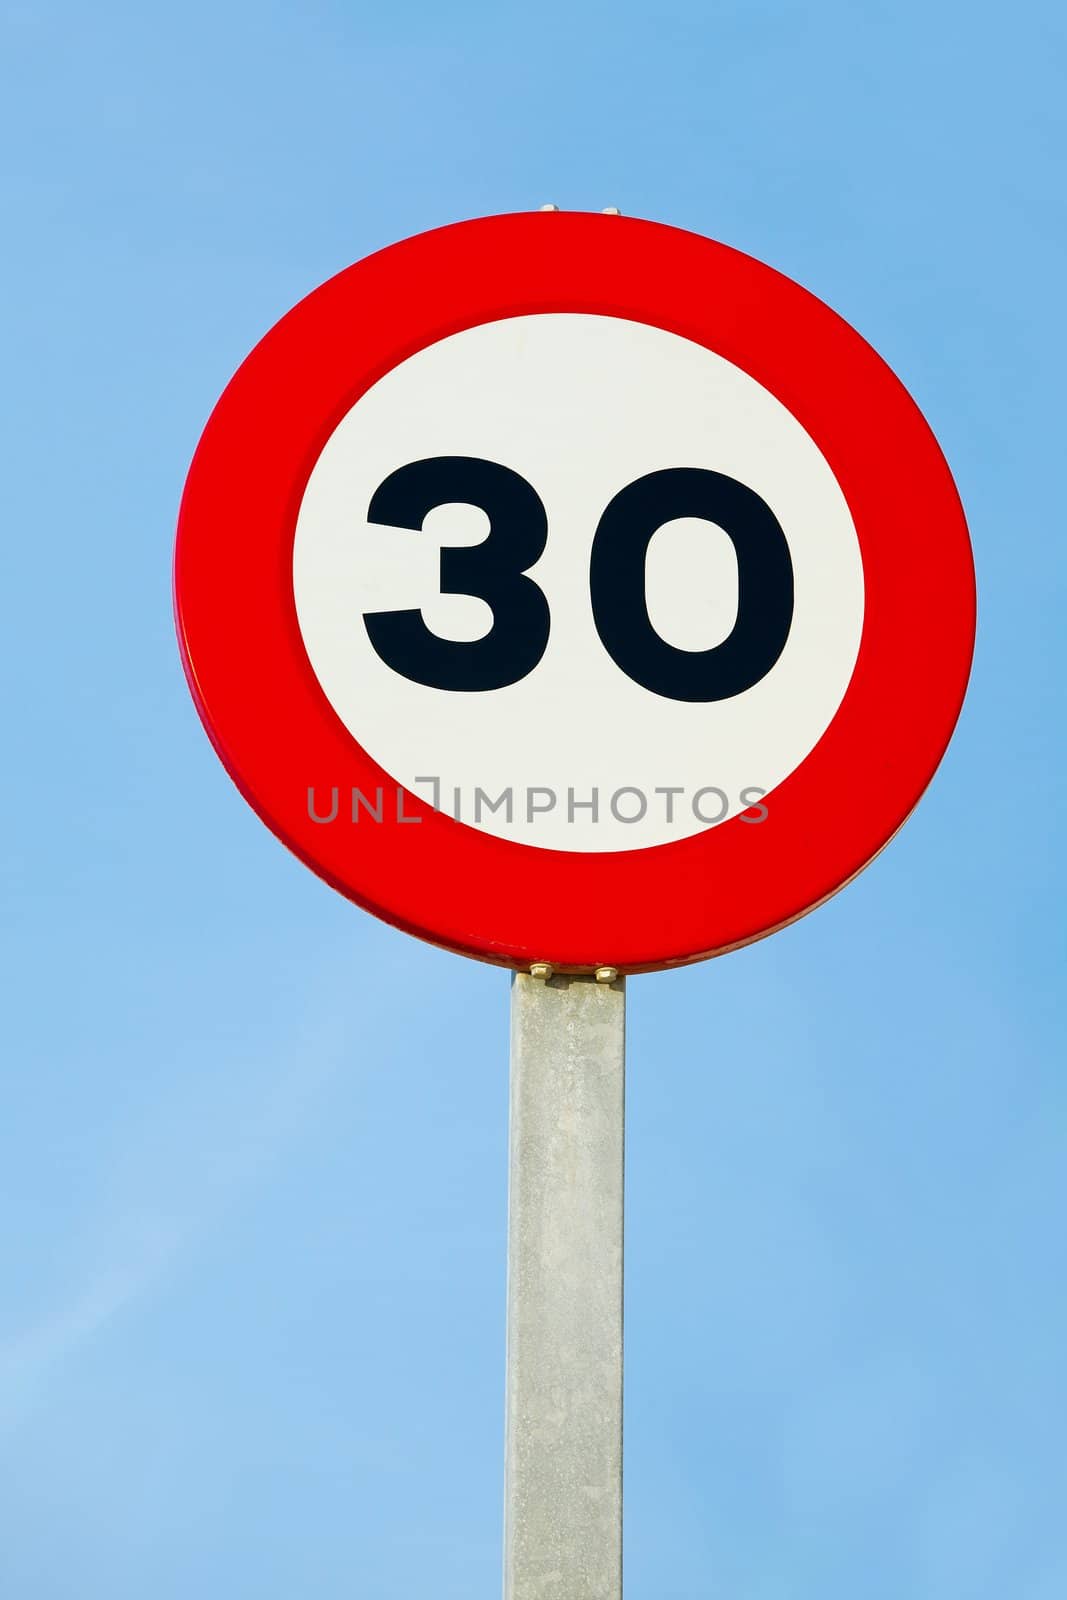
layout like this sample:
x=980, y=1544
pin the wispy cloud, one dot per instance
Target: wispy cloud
x=184, y=1166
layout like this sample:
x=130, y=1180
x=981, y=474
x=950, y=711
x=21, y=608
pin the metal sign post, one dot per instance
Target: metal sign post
x=563, y=1481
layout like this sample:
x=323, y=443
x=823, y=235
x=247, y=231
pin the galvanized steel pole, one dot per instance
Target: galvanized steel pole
x=563, y=1482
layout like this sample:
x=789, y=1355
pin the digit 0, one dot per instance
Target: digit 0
x=764, y=584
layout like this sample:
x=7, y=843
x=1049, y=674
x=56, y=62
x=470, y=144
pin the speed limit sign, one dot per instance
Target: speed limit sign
x=569, y=588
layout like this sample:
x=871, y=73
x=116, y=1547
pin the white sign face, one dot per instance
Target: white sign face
x=594, y=744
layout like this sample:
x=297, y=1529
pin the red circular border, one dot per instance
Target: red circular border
x=510, y=903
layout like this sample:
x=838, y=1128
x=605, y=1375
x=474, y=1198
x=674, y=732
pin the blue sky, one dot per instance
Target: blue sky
x=253, y=1144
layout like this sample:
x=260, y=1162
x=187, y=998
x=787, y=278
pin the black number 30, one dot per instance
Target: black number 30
x=495, y=571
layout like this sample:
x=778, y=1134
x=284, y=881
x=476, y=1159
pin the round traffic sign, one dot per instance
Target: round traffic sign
x=566, y=587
